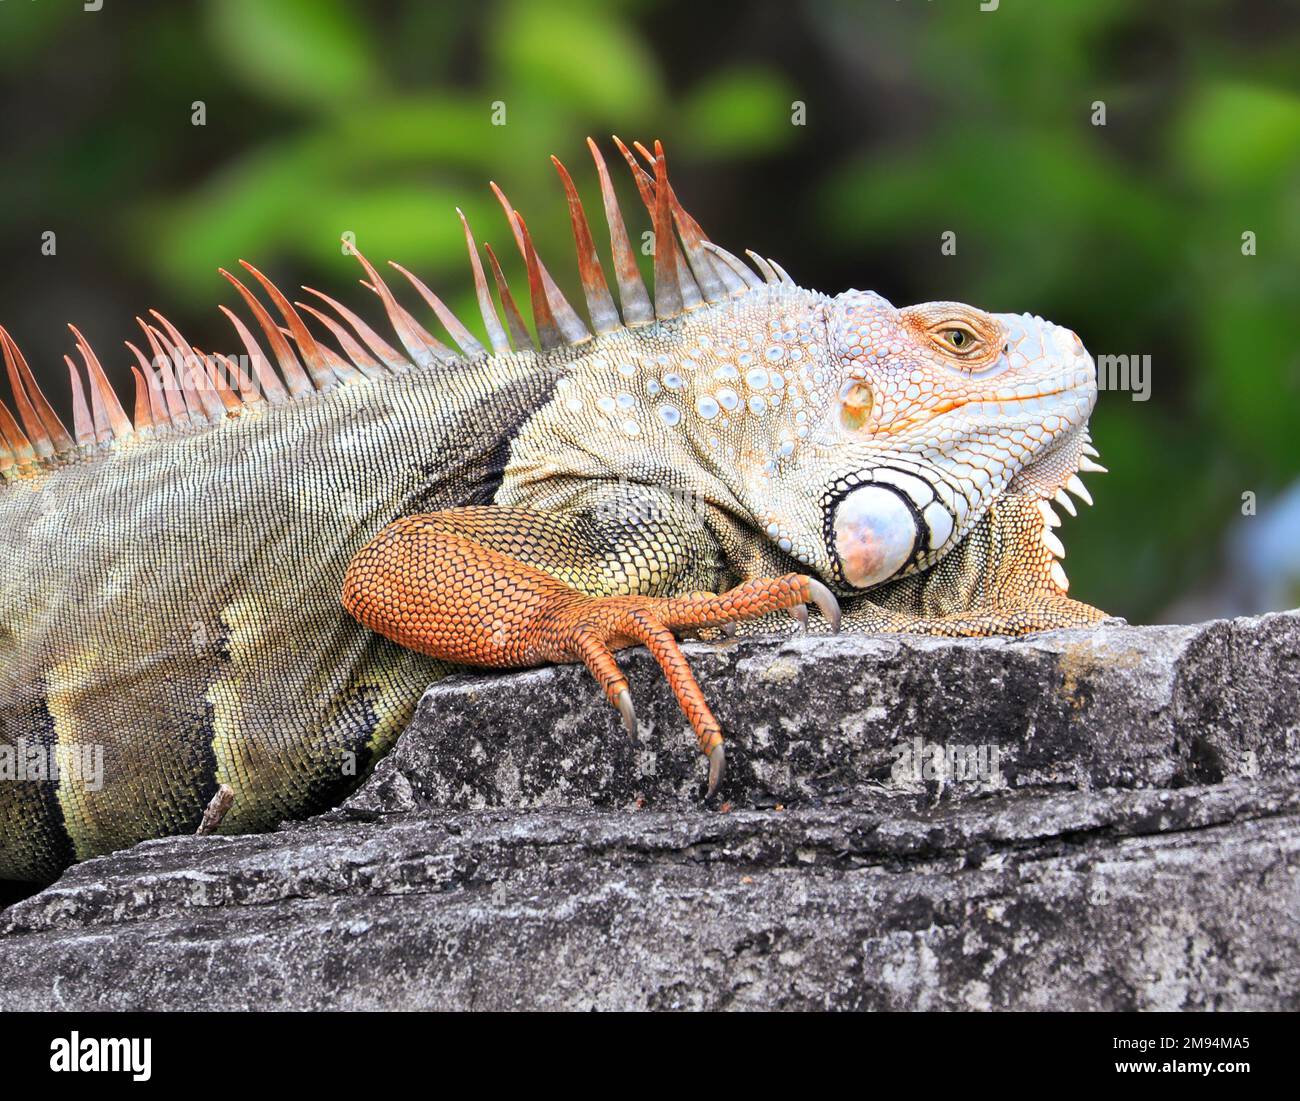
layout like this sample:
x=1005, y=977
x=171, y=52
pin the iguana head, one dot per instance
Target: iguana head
x=940, y=408
x=893, y=429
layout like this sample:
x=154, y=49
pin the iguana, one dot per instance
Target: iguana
x=176, y=583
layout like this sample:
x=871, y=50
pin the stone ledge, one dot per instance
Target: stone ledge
x=1139, y=848
x=817, y=719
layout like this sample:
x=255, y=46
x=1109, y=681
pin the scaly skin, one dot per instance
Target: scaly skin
x=427, y=585
x=172, y=588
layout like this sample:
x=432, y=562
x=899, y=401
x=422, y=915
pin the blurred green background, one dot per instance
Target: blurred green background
x=920, y=117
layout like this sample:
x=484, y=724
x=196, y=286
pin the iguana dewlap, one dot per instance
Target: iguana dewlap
x=172, y=579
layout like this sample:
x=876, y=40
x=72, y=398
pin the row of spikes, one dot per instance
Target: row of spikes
x=180, y=387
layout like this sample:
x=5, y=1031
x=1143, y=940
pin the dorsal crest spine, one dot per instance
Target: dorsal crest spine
x=179, y=388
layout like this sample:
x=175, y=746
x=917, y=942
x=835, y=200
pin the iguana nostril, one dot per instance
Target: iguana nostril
x=875, y=534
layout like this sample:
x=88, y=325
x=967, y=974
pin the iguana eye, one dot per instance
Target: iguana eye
x=959, y=339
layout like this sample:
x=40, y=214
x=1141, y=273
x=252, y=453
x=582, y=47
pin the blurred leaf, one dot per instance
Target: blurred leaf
x=26, y=28
x=577, y=57
x=262, y=208
x=1045, y=213
x=433, y=130
x=413, y=222
x=253, y=205
x=311, y=53
x=1248, y=391
x=1238, y=135
x=740, y=111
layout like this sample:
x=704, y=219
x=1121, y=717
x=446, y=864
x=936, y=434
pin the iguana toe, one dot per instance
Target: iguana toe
x=628, y=711
x=717, y=765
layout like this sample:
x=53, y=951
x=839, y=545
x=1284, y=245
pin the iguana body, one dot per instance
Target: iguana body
x=171, y=587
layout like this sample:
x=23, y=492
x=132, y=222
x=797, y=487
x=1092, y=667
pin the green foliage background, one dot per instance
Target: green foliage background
x=325, y=116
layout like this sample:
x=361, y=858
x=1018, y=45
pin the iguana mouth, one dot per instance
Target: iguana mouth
x=935, y=412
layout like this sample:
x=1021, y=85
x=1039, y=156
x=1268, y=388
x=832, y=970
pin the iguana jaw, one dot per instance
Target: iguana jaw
x=877, y=530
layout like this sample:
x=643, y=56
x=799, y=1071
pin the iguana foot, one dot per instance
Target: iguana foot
x=600, y=625
x=453, y=598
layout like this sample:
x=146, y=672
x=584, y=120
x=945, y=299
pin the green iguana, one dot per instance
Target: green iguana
x=170, y=595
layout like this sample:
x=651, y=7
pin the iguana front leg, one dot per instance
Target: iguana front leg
x=494, y=586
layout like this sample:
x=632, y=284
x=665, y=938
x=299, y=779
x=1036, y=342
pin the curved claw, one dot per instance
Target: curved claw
x=799, y=613
x=628, y=711
x=826, y=603
x=717, y=765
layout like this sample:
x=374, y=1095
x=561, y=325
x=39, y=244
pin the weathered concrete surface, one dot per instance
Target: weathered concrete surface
x=1138, y=848
x=816, y=718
